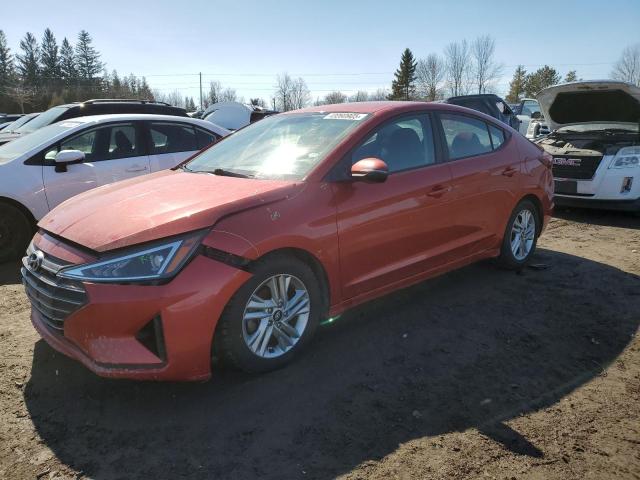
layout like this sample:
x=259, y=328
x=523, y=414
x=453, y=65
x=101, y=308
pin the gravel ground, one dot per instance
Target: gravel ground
x=480, y=373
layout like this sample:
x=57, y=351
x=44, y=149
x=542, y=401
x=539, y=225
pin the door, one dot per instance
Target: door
x=485, y=170
x=112, y=153
x=390, y=231
x=172, y=143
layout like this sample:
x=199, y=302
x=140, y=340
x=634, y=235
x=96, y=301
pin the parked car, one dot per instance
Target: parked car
x=594, y=142
x=244, y=249
x=235, y=115
x=99, y=106
x=43, y=169
x=488, y=104
x=8, y=129
x=525, y=110
x=7, y=118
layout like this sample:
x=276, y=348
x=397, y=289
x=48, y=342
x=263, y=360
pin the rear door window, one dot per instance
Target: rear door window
x=172, y=138
x=497, y=136
x=205, y=138
x=465, y=136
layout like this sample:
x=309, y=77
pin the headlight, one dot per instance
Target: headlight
x=156, y=261
x=626, y=157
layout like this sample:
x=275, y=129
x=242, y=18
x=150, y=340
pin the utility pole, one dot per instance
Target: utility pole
x=201, y=91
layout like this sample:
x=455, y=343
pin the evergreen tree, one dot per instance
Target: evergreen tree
x=144, y=91
x=403, y=86
x=68, y=67
x=29, y=60
x=87, y=58
x=116, y=85
x=49, y=59
x=571, y=76
x=6, y=73
x=517, y=85
x=542, y=78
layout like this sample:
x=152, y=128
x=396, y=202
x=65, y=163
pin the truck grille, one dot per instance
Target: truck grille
x=54, y=297
x=578, y=168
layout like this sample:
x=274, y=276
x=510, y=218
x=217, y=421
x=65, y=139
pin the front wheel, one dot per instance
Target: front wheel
x=271, y=317
x=521, y=236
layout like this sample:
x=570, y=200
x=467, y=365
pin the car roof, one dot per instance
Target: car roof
x=141, y=116
x=361, y=107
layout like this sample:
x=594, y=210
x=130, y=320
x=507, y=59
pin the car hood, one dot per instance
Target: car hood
x=157, y=206
x=597, y=101
x=6, y=137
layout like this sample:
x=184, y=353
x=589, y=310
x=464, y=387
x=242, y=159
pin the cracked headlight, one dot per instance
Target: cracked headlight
x=154, y=261
x=626, y=157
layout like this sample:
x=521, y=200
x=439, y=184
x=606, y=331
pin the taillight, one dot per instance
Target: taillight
x=546, y=159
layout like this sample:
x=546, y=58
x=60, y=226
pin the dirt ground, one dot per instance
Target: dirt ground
x=480, y=373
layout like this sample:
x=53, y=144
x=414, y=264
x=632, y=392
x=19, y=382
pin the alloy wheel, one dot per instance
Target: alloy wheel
x=523, y=234
x=276, y=316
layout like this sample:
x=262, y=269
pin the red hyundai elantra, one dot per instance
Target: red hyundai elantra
x=246, y=248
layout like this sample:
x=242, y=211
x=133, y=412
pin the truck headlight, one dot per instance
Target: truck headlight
x=154, y=261
x=626, y=157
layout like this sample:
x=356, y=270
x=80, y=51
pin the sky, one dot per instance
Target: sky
x=334, y=45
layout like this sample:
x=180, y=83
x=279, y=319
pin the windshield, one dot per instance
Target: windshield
x=18, y=123
x=281, y=146
x=27, y=143
x=42, y=120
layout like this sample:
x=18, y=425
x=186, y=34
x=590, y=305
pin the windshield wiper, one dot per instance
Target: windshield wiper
x=220, y=172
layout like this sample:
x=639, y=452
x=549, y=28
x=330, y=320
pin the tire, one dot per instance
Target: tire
x=238, y=341
x=516, y=254
x=15, y=233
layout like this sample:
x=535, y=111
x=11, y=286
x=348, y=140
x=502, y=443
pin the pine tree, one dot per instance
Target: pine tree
x=68, y=67
x=49, y=58
x=7, y=72
x=403, y=86
x=517, y=85
x=542, y=78
x=571, y=76
x=29, y=60
x=87, y=58
x=144, y=91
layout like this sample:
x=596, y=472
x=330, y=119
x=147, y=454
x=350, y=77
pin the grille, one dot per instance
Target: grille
x=54, y=297
x=583, y=168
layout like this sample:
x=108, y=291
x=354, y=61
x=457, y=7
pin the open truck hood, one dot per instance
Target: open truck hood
x=595, y=101
x=156, y=206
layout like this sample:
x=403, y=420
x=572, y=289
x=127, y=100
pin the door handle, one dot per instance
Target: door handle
x=438, y=190
x=136, y=168
x=509, y=172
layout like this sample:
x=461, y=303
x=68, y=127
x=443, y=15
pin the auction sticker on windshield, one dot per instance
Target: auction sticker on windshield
x=345, y=116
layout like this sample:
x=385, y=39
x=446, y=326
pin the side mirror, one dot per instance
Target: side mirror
x=371, y=170
x=536, y=115
x=68, y=157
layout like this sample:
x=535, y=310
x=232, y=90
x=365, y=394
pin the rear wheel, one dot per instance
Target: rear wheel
x=271, y=317
x=15, y=232
x=521, y=236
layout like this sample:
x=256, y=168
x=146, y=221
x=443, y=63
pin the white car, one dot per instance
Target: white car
x=594, y=142
x=42, y=169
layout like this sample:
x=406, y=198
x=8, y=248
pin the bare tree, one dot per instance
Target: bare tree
x=430, y=76
x=379, y=94
x=457, y=59
x=175, y=98
x=335, y=97
x=291, y=94
x=485, y=69
x=359, y=96
x=228, y=95
x=627, y=68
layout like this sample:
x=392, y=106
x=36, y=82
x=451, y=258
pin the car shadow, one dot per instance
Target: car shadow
x=471, y=349
x=605, y=218
x=9, y=273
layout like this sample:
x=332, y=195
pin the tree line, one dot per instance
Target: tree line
x=44, y=74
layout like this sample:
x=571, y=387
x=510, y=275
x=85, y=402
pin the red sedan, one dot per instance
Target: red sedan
x=246, y=248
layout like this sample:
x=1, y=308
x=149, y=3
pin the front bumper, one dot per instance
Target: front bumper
x=589, y=202
x=104, y=333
